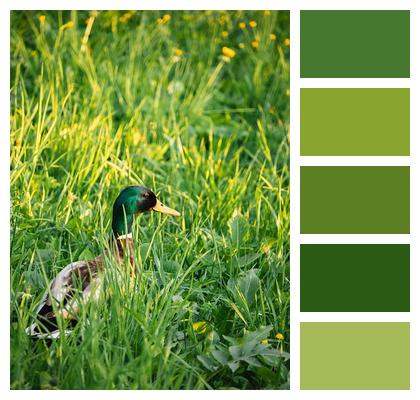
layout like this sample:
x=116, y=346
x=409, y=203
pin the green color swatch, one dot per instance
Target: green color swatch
x=354, y=277
x=355, y=44
x=355, y=200
x=355, y=355
x=355, y=122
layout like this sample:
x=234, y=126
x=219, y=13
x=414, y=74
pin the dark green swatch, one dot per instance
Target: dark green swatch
x=355, y=200
x=355, y=122
x=355, y=355
x=354, y=277
x=355, y=44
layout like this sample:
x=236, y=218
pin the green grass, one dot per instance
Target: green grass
x=106, y=101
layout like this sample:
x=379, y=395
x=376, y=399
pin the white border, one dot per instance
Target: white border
x=296, y=83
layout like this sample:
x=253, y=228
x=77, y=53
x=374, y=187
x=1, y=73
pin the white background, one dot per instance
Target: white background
x=294, y=6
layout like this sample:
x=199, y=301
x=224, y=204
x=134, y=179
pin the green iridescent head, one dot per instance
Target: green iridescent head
x=134, y=200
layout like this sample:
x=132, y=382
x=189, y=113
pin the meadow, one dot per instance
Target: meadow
x=194, y=105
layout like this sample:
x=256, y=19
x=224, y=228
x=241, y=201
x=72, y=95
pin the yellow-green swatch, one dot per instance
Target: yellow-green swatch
x=363, y=200
x=355, y=122
x=355, y=355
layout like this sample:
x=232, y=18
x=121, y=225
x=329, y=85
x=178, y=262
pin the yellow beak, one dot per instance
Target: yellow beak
x=165, y=210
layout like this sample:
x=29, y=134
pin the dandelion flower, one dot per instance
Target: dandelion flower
x=267, y=12
x=178, y=52
x=241, y=46
x=67, y=25
x=279, y=336
x=287, y=42
x=272, y=36
x=242, y=25
x=164, y=19
x=126, y=16
x=227, y=52
x=42, y=18
x=252, y=24
x=264, y=341
x=200, y=326
x=255, y=44
x=266, y=247
x=225, y=34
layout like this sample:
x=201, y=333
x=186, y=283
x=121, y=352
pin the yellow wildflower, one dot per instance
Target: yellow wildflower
x=279, y=336
x=67, y=25
x=200, y=326
x=255, y=44
x=178, y=52
x=227, y=52
x=71, y=197
x=266, y=247
x=287, y=42
x=42, y=19
x=241, y=46
x=126, y=16
x=264, y=341
x=267, y=12
x=252, y=24
x=272, y=36
x=242, y=25
x=225, y=34
x=164, y=19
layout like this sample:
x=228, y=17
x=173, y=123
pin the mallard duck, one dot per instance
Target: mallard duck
x=62, y=298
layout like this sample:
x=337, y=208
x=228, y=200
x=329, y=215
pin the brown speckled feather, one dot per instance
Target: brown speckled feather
x=77, y=282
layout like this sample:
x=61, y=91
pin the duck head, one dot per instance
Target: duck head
x=134, y=200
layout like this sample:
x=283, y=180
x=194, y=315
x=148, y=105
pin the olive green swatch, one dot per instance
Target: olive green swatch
x=354, y=277
x=355, y=355
x=355, y=44
x=355, y=200
x=355, y=122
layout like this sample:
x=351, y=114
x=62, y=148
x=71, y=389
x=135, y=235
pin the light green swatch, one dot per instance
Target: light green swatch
x=355, y=355
x=355, y=122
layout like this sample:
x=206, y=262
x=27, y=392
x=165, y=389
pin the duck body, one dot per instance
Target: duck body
x=81, y=281
x=77, y=283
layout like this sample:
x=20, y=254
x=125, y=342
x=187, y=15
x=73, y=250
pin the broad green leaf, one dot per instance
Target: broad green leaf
x=247, y=259
x=220, y=356
x=235, y=352
x=208, y=362
x=234, y=365
x=245, y=287
x=239, y=228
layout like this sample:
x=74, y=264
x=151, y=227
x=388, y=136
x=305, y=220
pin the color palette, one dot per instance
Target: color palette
x=355, y=355
x=351, y=196
x=355, y=277
x=355, y=199
x=355, y=122
x=355, y=44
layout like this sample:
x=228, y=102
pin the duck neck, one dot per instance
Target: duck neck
x=122, y=224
